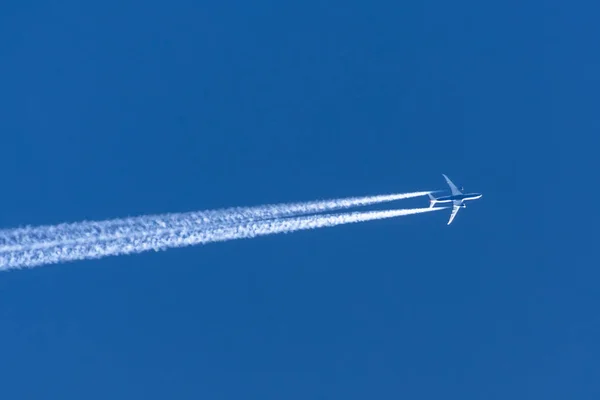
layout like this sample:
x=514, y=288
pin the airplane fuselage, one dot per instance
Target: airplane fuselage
x=459, y=197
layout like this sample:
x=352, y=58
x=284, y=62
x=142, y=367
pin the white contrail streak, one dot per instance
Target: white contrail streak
x=91, y=231
x=180, y=237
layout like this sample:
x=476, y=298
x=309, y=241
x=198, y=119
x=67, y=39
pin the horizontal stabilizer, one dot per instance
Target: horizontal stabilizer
x=432, y=200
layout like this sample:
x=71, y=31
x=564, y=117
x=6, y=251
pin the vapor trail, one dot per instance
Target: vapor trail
x=91, y=231
x=180, y=237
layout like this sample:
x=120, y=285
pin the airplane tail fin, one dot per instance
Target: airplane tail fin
x=432, y=200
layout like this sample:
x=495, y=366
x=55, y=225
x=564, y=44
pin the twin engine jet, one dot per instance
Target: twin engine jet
x=457, y=198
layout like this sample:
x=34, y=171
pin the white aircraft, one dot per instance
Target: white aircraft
x=457, y=199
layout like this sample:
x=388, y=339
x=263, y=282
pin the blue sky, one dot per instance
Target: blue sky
x=127, y=107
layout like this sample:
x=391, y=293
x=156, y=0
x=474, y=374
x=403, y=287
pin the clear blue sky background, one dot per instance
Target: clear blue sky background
x=126, y=107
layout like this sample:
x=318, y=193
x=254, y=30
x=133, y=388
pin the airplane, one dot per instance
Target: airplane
x=457, y=198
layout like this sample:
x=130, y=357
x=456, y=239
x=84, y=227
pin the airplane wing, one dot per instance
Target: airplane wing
x=453, y=187
x=455, y=207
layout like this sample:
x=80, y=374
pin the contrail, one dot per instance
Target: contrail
x=186, y=236
x=27, y=238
